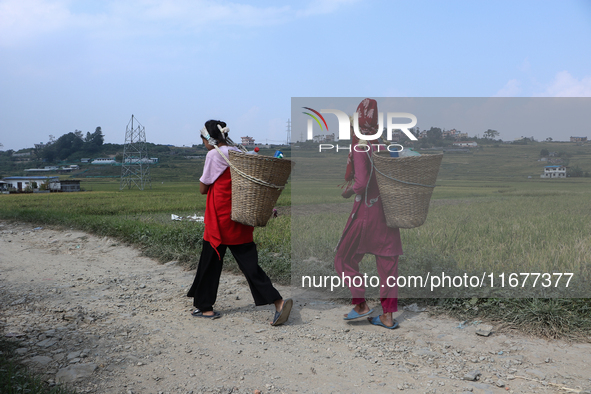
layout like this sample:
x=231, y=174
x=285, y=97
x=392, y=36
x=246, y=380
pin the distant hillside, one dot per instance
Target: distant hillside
x=488, y=162
x=11, y=164
x=502, y=161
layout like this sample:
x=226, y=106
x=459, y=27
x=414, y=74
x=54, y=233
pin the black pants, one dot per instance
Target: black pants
x=205, y=286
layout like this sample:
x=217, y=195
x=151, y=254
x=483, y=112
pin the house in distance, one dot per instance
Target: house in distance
x=554, y=172
x=247, y=141
x=578, y=139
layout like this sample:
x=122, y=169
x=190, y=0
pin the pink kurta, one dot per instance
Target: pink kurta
x=366, y=230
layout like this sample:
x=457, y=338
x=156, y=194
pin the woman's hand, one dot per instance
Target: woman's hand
x=348, y=192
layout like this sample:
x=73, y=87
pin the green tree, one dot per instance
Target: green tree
x=490, y=134
x=434, y=135
x=94, y=141
x=63, y=147
x=544, y=153
x=73, y=145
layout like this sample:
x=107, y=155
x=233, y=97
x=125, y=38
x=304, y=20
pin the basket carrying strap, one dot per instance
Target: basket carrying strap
x=249, y=177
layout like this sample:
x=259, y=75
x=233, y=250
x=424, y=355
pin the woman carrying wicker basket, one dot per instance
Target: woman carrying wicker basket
x=366, y=230
x=221, y=232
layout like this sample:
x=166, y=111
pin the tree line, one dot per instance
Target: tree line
x=72, y=143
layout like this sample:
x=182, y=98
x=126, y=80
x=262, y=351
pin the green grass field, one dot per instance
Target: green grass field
x=492, y=219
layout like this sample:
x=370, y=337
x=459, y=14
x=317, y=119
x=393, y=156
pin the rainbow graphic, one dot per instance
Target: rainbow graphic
x=315, y=118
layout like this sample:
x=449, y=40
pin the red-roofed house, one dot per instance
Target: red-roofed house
x=247, y=141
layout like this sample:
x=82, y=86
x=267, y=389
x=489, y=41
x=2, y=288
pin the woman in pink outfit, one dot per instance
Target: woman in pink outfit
x=366, y=230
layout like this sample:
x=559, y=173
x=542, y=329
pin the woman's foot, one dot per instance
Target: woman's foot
x=387, y=320
x=384, y=320
x=282, y=311
x=208, y=314
x=279, y=304
x=378, y=321
x=361, y=309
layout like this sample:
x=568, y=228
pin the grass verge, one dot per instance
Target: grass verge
x=551, y=318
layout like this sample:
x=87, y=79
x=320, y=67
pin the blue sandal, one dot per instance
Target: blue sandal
x=377, y=322
x=354, y=315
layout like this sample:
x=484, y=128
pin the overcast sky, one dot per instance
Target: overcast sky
x=67, y=65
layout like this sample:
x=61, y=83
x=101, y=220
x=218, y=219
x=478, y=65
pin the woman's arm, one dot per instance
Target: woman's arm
x=362, y=168
x=203, y=188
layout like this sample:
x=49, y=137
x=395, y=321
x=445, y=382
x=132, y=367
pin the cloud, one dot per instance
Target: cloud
x=323, y=7
x=22, y=21
x=204, y=13
x=208, y=13
x=511, y=89
x=565, y=85
x=525, y=66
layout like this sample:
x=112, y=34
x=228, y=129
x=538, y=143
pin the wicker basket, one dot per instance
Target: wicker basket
x=406, y=185
x=253, y=203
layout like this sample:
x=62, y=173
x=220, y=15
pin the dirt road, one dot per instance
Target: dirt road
x=94, y=313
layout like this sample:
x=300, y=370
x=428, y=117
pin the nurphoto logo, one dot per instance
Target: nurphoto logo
x=345, y=124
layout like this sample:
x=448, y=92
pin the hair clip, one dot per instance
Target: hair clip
x=223, y=130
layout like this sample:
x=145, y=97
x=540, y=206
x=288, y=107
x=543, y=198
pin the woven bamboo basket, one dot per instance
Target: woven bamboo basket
x=252, y=201
x=406, y=185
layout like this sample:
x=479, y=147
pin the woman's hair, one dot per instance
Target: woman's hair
x=214, y=130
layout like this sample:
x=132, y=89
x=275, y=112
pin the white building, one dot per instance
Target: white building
x=54, y=168
x=554, y=172
x=21, y=183
x=103, y=161
x=38, y=170
x=324, y=138
x=145, y=160
x=466, y=144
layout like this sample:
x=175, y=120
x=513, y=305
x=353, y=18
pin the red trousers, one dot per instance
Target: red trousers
x=348, y=265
